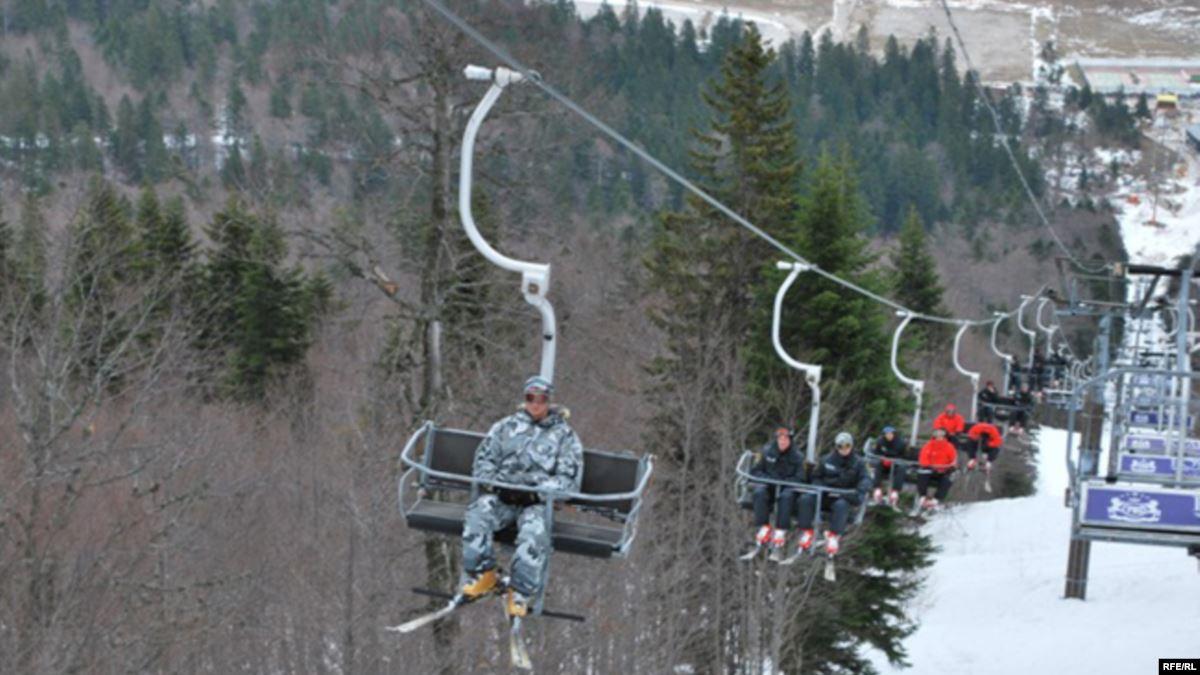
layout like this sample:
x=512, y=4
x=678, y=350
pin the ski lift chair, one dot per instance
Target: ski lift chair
x=611, y=492
x=437, y=487
x=812, y=377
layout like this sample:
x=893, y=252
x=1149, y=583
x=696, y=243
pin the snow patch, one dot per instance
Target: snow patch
x=993, y=600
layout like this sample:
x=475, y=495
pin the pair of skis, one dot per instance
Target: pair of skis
x=830, y=567
x=518, y=653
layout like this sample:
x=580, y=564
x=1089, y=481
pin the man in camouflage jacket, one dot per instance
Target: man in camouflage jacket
x=534, y=447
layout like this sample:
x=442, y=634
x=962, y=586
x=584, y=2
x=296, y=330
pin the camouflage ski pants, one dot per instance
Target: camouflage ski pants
x=484, y=517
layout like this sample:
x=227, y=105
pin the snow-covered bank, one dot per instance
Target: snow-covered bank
x=776, y=29
x=993, y=601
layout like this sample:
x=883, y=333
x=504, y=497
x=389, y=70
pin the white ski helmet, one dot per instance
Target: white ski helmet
x=843, y=438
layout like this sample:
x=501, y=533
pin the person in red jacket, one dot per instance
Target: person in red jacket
x=986, y=437
x=937, y=461
x=950, y=421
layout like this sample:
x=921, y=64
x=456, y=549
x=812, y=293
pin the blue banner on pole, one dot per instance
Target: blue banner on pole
x=1150, y=509
x=1153, y=443
x=1159, y=466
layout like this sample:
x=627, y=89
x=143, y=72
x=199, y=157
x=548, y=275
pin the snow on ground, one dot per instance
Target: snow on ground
x=993, y=600
x=1178, y=213
x=776, y=29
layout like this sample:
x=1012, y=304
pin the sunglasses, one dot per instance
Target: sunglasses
x=844, y=445
x=536, y=398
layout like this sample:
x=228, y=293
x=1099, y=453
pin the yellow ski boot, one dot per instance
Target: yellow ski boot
x=518, y=605
x=482, y=584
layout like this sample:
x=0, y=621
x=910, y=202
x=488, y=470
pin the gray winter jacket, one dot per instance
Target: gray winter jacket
x=545, y=454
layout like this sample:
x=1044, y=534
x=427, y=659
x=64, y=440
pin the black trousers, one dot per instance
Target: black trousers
x=974, y=448
x=764, y=496
x=899, y=474
x=941, y=480
x=838, y=507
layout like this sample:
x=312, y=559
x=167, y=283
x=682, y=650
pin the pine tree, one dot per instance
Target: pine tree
x=839, y=329
x=916, y=283
x=164, y=238
x=707, y=269
x=257, y=315
x=124, y=141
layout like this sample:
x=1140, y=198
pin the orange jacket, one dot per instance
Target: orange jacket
x=953, y=424
x=939, y=454
x=980, y=429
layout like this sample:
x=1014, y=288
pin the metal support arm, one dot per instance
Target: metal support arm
x=1029, y=332
x=917, y=386
x=535, y=277
x=973, y=377
x=812, y=372
x=1007, y=358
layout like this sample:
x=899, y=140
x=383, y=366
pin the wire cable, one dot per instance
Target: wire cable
x=987, y=102
x=536, y=79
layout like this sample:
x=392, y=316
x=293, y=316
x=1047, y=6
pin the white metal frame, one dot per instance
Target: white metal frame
x=535, y=277
x=1007, y=358
x=812, y=372
x=917, y=386
x=973, y=377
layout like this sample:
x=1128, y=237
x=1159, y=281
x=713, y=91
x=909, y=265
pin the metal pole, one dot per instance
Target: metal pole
x=535, y=277
x=1029, y=332
x=812, y=372
x=1007, y=358
x=1079, y=553
x=917, y=386
x=974, y=377
x=1184, y=365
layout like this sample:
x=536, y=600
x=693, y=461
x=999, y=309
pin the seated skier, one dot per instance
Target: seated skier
x=842, y=468
x=778, y=460
x=985, y=437
x=950, y=422
x=533, y=447
x=938, y=461
x=988, y=398
x=1024, y=400
x=889, y=446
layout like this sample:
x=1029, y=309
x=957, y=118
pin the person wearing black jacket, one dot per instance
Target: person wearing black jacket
x=889, y=446
x=778, y=460
x=1024, y=400
x=988, y=398
x=843, y=469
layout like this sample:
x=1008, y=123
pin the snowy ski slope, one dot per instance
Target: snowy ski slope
x=993, y=602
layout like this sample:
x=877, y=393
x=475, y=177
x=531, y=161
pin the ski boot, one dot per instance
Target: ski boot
x=832, y=544
x=480, y=585
x=778, y=540
x=806, y=541
x=764, y=535
x=971, y=465
x=894, y=500
x=877, y=497
x=517, y=605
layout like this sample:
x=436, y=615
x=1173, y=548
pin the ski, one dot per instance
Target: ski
x=516, y=647
x=751, y=554
x=455, y=602
x=548, y=613
x=830, y=569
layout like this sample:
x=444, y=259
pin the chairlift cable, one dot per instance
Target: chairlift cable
x=536, y=79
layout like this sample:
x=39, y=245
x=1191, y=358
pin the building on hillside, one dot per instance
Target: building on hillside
x=1193, y=136
x=1150, y=76
x=1166, y=103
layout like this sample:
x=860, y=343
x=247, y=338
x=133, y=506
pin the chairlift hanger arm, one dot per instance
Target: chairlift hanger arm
x=812, y=372
x=973, y=377
x=917, y=386
x=535, y=277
